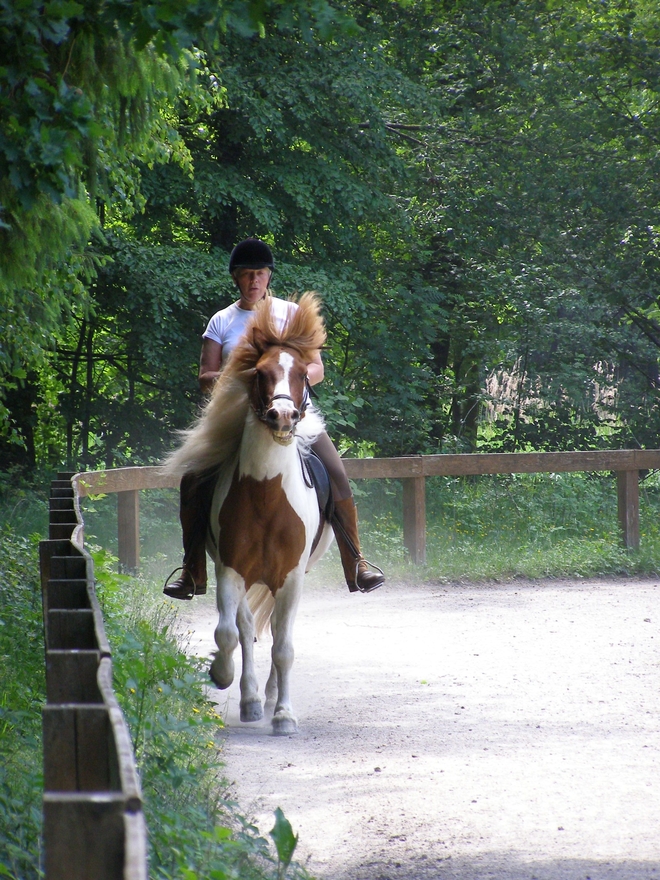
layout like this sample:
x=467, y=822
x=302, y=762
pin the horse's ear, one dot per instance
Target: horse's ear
x=259, y=340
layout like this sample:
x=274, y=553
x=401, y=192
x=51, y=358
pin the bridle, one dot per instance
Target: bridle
x=261, y=409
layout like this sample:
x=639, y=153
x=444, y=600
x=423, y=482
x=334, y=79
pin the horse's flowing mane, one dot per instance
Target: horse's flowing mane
x=216, y=435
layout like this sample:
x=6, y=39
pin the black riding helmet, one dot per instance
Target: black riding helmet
x=253, y=253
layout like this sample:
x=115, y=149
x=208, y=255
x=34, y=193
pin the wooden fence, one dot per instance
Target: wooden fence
x=412, y=471
x=92, y=804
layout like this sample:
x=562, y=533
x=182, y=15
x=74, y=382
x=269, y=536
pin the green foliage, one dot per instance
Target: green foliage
x=285, y=841
x=22, y=694
x=87, y=101
x=473, y=188
x=523, y=525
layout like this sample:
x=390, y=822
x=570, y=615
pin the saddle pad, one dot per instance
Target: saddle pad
x=319, y=478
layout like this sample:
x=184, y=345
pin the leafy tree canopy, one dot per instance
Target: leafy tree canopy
x=472, y=187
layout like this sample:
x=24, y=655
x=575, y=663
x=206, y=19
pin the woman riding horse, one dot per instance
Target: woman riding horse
x=251, y=265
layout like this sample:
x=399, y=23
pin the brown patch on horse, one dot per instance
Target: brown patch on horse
x=261, y=535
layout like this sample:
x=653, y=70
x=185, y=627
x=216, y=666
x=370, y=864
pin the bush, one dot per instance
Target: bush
x=527, y=525
x=22, y=695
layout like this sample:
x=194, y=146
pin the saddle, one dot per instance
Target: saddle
x=316, y=476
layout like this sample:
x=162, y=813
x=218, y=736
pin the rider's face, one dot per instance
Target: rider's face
x=253, y=284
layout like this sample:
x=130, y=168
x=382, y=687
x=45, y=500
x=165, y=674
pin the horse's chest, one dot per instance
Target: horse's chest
x=260, y=534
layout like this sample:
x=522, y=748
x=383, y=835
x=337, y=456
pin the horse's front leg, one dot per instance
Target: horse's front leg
x=286, y=605
x=230, y=593
x=251, y=708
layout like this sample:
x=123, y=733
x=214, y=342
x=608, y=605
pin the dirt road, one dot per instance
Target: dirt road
x=458, y=731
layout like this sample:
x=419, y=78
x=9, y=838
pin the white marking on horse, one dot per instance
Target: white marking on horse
x=283, y=386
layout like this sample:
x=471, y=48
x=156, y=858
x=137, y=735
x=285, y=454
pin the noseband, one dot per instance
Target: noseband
x=262, y=409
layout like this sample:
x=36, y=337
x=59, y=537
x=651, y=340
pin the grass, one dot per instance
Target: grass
x=522, y=525
x=22, y=693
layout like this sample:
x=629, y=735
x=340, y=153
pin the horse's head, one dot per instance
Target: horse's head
x=280, y=393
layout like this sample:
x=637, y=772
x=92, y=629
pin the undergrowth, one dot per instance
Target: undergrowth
x=22, y=694
x=519, y=525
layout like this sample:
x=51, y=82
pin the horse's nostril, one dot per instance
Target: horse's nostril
x=272, y=415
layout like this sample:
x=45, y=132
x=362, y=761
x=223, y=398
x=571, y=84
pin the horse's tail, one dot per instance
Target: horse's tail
x=261, y=604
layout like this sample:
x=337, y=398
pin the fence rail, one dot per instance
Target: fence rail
x=412, y=471
x=92, y=804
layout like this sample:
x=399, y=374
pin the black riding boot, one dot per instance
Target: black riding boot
x=193, y=513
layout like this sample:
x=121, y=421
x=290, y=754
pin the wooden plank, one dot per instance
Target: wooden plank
x=59, y=744
x=59, y=531
x=79, y=753
x=68, y=567
x=68, y=628
x=96, y=760
x=62, y=492
x=60, y=484
x=628, y=507
x=135, y=836
x=134, y=478
x=501, y=463
x=128, y=530
x=84, y=837
x=128, y=776
x=123, y=480
x=414, y=518
x=61, y=503
x=540, y=462
x=69, y=593
x=63, y=515
x=379, y=468
x=71, y=676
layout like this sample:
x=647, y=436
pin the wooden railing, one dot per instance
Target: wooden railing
x=412, y=471
x=92, y=805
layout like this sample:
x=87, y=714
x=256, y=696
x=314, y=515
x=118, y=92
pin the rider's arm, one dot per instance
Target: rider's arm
x=210, y=362
x=315, y=371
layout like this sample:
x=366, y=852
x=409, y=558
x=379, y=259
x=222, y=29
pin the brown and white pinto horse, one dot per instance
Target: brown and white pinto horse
x=265, y=528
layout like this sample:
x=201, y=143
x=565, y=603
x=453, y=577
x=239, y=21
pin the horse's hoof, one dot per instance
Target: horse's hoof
x=252, y=711
x=220, y=677
x=284, y=725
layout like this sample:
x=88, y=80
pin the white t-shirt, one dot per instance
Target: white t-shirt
x=228, y=325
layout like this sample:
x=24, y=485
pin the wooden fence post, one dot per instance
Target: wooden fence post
x=128, y=530
x=628, y=505
x=414, y=518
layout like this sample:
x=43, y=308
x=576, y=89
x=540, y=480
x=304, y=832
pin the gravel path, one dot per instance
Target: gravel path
x=464, y=731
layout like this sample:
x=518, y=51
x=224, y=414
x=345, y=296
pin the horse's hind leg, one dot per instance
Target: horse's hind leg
x=271, y=684
x=231, y=590
x=251, y=709
x=286, y=604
